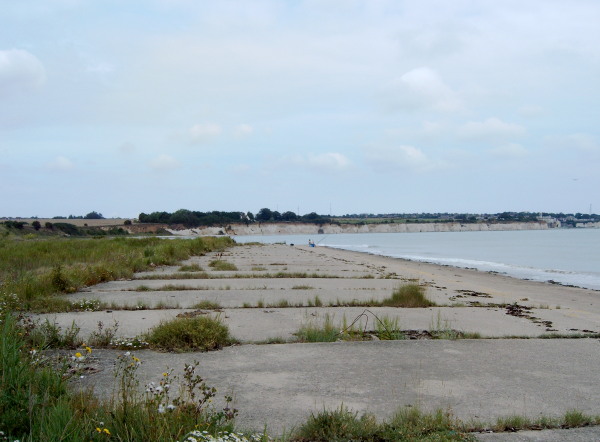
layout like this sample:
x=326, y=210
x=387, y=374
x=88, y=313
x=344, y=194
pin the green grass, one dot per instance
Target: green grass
x=407, y=424
x=35, y=403
x=410, y=296
x=302, y=287
x=220, y=265
x=35, y=270
x=190, y=268
x=203, y=333
x=207, y=305
x=326, y=332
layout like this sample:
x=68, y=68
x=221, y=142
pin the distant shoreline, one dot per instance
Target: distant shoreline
x=333, y=228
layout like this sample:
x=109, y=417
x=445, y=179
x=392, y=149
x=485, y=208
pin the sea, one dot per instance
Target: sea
x=563, y=256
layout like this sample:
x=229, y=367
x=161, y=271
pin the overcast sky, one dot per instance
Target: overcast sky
x=352, y=106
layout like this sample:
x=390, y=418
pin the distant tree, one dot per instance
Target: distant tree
x=36, y=225
x=289, y=216
x=127, y=222
x=250, y=216
x=49, y=225
x=93, y=215
x=264, y=215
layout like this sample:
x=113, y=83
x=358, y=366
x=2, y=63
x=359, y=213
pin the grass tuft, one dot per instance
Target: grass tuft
x=220, y=265
x=202, y=333
x=410, y=295
x=190, y=268
x=313, y=333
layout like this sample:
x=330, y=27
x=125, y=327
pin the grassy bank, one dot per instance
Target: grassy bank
x=36, y=269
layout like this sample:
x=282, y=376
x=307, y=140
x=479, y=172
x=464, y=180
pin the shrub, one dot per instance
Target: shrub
x=410, y=295
x=337, y=425
x=220, y=265
x=188, y=334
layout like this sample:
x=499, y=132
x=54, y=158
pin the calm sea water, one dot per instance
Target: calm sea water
x=566, y=256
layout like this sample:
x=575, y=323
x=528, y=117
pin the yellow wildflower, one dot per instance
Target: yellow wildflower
x=88, y=349
x=77, y=355
x=106, y=431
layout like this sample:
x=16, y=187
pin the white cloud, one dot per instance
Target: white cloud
x=491, y=129
x=244, y=130
x=421, y=88
x=329, y=161
x=510, y=150
x=201, y=133
x=60, y=164
x=404, y=157
x=164, y=163
x=20, y=70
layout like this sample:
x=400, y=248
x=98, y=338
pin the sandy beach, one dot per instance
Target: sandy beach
x=274, y=292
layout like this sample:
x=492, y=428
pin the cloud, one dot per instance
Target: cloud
x=510, y=150
x=201, y=133
x=490, y=129
x=164, y=163
x=421, y=88
x=243, y=130
x=60, y=164
x=404, y=157
x=332, y=161
x=20, y=70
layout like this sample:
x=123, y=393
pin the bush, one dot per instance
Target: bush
x=203, y=333
x=219, y=265
x=410, y=295
x=337, y=425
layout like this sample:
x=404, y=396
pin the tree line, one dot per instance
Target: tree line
x=190, y=218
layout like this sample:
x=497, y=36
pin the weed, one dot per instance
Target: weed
x=258, y=269
x=388, y=329
x=512, y=423
x=302, y=287
x=188, y=334
x=260, y=303
x=220, y=265
x=340, y=424
x=103, y=336
x=142, y=288
x=282, y=303
x=207, y=305
x=50, y=335
x=190, y=268
x=312, y=333
x=575, y=418
x=410, y=295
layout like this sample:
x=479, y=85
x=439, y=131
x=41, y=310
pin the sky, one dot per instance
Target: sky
x=327, y=106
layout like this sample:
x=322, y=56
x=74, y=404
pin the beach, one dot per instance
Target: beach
x=278, y=288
